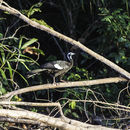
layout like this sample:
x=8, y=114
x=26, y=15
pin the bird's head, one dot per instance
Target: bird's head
x=69, y=55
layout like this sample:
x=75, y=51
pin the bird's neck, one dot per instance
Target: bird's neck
x=72, y=62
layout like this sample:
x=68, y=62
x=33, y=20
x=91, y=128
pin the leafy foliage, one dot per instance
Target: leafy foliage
x=36, y=8
x=117, y=29
x=11, y=60
x=33, y=9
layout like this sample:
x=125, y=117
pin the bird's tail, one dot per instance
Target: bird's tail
x=34, y=72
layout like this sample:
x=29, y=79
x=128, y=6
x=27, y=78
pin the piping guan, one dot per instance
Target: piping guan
x=55, y=68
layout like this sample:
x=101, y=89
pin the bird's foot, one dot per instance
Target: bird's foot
x=63, y=81
x=55, y=83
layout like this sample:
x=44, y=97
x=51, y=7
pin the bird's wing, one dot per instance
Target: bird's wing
x=56, y=65
x=64, y=64
x=49, y=65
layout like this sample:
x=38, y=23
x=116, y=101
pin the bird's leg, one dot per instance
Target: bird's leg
x=54, y=81
x=54, y=77
x=61, y=76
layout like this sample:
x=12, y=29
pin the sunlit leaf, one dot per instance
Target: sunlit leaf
x=33, y=9
x=72, y=104
x=33, y=40
x=38, y=51
x=42, y=22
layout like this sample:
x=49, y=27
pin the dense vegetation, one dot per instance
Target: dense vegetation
x=101, y=25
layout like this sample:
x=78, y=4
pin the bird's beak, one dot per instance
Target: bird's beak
x=73, y=53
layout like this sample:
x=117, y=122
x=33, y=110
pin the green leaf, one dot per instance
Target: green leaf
x=121, y=39
x=19, y=75
x=27, y=60
x=20, y=60
x=66, y=111
x=29, y=43
x=2, y=90
x=72, y=104
x=25, y=66
x=108, y=90
x=31, y=12
x=3, y=74
x=1, y=35
x=16, y=98
x=6, y=12
x=20, y=42
x=10, y=70
x=70, y=77
x=42, y=22
x=75, y=114
x=77, y=77
x=117, y=59
x=108, y=19
x=2, y=55
x=23, y=78
x=38, y=51
x=34, y=8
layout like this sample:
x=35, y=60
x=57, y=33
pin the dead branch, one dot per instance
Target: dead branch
x=107, y=105
x=50, y=121
x=65, y=38
x=24, y=121
x=63, y=85
x=34, y=104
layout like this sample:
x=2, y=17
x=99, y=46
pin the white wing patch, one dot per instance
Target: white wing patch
x=57, y=66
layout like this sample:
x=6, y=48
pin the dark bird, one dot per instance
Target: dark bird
x=55, y=68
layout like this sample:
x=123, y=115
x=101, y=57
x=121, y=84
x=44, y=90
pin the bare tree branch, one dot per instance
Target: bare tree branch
x=65, y=38
x=63, y=85
x=25, y=121
x=34, y=104
x=50, y=121
x=107, y=105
